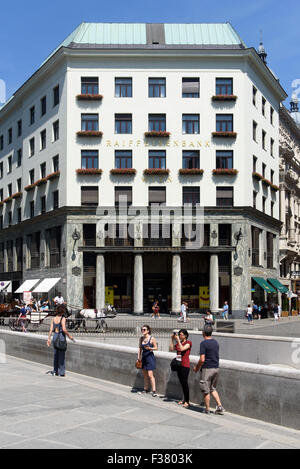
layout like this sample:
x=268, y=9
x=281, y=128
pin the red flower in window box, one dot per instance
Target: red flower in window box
x=158, y=133
x=224, y=172
x=224, y=97
x=224, y=134
x=191, y=171
x=53, y=175
x=89, y=97
x=17, y=195
x=89, y=133
x=266, y=182
x=156, y=171
x=7, y=200
x=40, y=182
x=123, y=171
x=257, y=176
x=29, y=187
x=274, y=187
x=82, y=171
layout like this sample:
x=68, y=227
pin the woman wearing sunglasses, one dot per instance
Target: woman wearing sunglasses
x=182, y=346
x=147, y=345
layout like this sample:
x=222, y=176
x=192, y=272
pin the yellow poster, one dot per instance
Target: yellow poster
x=203, y=297
x=109, y=295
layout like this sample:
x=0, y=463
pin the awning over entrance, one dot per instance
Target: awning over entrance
x=281, y=288
x=27, y=285
x=46, y=285
x=5, y=286
x=264, y=284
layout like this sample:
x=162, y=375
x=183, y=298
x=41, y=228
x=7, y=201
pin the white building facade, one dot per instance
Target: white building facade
x=170, y=114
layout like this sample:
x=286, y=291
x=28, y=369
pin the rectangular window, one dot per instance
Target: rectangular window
x=19, y=125
x=272, y=208
x=54, y=245
x=89, y=85
x=32, y=115
x=19, y=184
x=43, y=139
x=254, y=199
x=254, y=131
x=56, y=95
x=55, y=162
x=89, y=122
x=224, y=233
x=1, y=194
x=19, y=157
x=43, y=170
x=43, y=204
x=19, y=216
x=224, y=86
x=1, y=170
x=123, y=123
x=191, y=195
x=157, y=195
x=31, y=147
x=123, y=159
x=9, y=260
x=55, y=199
x=43, y=106
x=254, y=164
x=123, y=87
x=157, y=122
x=224, y=196
x=9, y=135
x=31, y=209
x=264, y=204
x=272, y=176
x=1, y=142
x=264, y=170
x=190, y=88
x=224, y=123
x=9, y=164
x=34, y=248
x=255, y=235
x=9, y=190
x=157, y=87
x=31, y=176
x=89, y=196
x=270, y=250
x=224, y=159
x=157, y=159
x=272, y=147
x=55, y=131
x=89, y=159
x=263, y=139
x=254, y=94
x=19, y=252
x=190, y=159
x=271, y=115
x=190, y=124
x=123, y=196
x=263, y=106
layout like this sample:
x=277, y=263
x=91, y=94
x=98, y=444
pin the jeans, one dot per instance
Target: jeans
x=59, y=361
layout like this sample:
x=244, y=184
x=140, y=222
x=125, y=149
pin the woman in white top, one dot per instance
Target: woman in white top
x=249, y=314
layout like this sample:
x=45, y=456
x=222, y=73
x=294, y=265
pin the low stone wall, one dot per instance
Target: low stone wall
x=267, y=393
x=265, y=350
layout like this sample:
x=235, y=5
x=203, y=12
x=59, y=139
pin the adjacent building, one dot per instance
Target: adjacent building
x=161, y=117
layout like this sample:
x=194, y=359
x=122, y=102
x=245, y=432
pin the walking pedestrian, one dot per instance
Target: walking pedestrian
x=279, y=311
x=155, y=309
x=58, y=325
x=183, y=312
x=275, y=312
x=209, y=365
x=249, y=314
x=225, y=310
x=182, y=346
x=22, y=318
x=147, y=345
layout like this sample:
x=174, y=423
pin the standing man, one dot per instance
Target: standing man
x=183, y=312
x=225, y=310
x=279, y=311
x=209, y=365
x=58, y=300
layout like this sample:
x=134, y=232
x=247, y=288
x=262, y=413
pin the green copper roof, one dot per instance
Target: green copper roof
x=205, y=34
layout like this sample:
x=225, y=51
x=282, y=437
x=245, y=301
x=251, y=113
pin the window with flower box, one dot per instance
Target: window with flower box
x=157, y=159
x=123, y=123
x=157, y=87
x=89, y=85
x=190, y=124
x=190, y=159
x=89, y=122
x=224, y=86
x=55, y=130
x=224, y=159
x=55, y=163
x=157, y=122
x=224, y=123
x=19, y=184
x=123, y=87
x=43, y=170
x=123, y=159
x=9, y=164
x=43, y=139
x=89, y=159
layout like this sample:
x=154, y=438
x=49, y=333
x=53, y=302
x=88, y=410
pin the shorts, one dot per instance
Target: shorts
x=208, y=381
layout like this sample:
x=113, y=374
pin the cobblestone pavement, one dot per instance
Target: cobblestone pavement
x=38, y=410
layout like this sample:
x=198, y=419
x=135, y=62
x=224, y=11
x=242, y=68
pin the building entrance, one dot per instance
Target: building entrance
x=157, y=288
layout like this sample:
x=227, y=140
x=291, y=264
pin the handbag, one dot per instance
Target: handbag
x=175, y=364
x=60, y=342
x=138, y=364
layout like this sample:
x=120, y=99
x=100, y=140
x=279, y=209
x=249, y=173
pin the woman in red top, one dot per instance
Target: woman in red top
x=182, y=346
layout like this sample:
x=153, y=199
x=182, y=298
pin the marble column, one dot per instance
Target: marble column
x=292, y=219
x=282, y=211
x=100, y=281
x=214, y=283
x=176, y=283
x=138, y=293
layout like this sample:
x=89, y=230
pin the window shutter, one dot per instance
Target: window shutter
x=89, y=196
x=190, y=85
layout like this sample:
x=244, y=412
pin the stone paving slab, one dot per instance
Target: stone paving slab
x=83, y=412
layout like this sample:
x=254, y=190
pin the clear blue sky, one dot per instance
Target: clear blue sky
x=31, y=29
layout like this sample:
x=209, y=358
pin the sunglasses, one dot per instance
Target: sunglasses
x=144, y=329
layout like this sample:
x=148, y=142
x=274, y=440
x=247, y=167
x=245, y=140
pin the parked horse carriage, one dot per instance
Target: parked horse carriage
x=8, y=310
x=33, y=321
x=95, y=316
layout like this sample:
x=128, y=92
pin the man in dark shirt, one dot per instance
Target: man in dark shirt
x=209, y=365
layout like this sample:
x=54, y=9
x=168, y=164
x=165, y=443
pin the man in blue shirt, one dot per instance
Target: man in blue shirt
x=225, y=310
x=209, y=365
